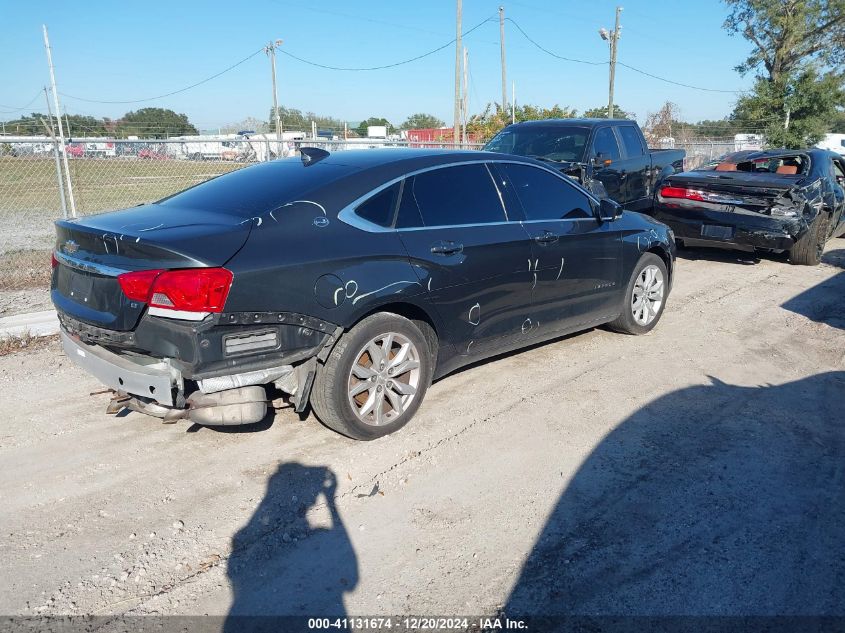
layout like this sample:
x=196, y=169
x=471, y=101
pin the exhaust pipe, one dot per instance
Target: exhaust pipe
x=232, y=407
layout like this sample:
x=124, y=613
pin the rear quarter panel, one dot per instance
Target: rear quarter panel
x=641, y=234
x=302, y=259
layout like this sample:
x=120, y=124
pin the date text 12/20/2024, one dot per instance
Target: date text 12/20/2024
x=417, y=623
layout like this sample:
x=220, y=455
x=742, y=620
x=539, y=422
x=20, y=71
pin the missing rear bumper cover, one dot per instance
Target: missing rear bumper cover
x=151, y=378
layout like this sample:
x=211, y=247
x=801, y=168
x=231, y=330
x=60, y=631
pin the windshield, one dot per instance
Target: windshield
x=781, y=165
x=552, y=142
x=257, y=189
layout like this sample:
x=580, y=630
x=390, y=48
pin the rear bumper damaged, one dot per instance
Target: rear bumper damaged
x=152, y=378
x=743, y=229
x=213, y=372
x=221, y=345
x=746, y=217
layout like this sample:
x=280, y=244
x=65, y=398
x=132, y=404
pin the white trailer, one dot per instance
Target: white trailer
x=266, y=146
x=376, y=131
x=100, y=149
x=203, y=149
x=833, y=142
x=744, y=142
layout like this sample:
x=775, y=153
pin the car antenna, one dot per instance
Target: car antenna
x=311, y=155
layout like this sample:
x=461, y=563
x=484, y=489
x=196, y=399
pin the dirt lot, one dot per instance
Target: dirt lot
x=695, y=470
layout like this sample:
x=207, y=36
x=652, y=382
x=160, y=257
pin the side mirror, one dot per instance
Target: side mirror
x=599, y=160
x=609, y=210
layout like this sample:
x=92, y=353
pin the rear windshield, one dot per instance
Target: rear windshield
x=552, y=142
x=258, y=189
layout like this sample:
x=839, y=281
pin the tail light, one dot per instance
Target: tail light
x=53, y=261
x=682, y=192
x=137, y=285
x=189, y=290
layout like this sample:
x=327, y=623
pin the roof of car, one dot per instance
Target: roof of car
x=409, y=158
x=347, y=174
x=571, y=122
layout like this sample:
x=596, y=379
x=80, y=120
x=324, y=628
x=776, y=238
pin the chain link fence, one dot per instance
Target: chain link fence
x=702, y=150
x=107, y=175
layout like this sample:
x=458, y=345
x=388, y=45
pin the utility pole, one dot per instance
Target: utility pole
x=612, y=39
x=504, y=72
x=456, y=127
x=513, y=102
x=59, y=118
x=465, y=102
x=270, y=50
x=56, y=155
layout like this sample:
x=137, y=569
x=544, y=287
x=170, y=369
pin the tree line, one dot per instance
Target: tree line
x=144, y=123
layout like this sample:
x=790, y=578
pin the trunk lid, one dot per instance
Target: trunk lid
x=92, y=251
x=758, y=192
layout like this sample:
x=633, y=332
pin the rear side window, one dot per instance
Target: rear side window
x=605, y=144
x=544, y=196
x=463, y=194
x=379, y=208
x=631, y=140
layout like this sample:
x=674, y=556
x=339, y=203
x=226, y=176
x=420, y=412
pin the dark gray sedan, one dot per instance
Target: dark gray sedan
x=348, y=281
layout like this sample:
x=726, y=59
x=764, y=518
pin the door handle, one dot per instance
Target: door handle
x=546, y=238
x=447, y=247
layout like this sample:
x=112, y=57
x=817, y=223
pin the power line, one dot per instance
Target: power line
x=393, y=65
x=629, y=67
x=548, y=52
x=677, y=83
x=13, y=109
x=170, y=94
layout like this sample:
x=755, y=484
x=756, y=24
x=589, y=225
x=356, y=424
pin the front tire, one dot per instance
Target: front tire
x=645, y=297
x=375, y=378
x=808, y=250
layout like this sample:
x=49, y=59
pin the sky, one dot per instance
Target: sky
x=108, y=51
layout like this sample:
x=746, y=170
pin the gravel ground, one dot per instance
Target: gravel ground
x=24, y=301
x=696, y=470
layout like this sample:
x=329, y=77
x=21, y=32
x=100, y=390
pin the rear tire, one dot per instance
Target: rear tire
x=645, y=297
x=375, y=378
x=808, y=250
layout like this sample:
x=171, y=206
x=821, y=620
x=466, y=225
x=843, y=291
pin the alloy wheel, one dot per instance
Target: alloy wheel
x=647, y=297
x=384, y=379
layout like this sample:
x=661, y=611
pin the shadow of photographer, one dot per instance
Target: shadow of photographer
x=294, y=556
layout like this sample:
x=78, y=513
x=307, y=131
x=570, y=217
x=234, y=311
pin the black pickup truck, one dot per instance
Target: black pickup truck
x=609, y=157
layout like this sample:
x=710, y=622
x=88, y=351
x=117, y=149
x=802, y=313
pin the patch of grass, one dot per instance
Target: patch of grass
x=25, y=269
x=25, y=342
x=99, y=184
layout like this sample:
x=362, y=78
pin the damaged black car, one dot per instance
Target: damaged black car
x=775, y=200
x=347, y=281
